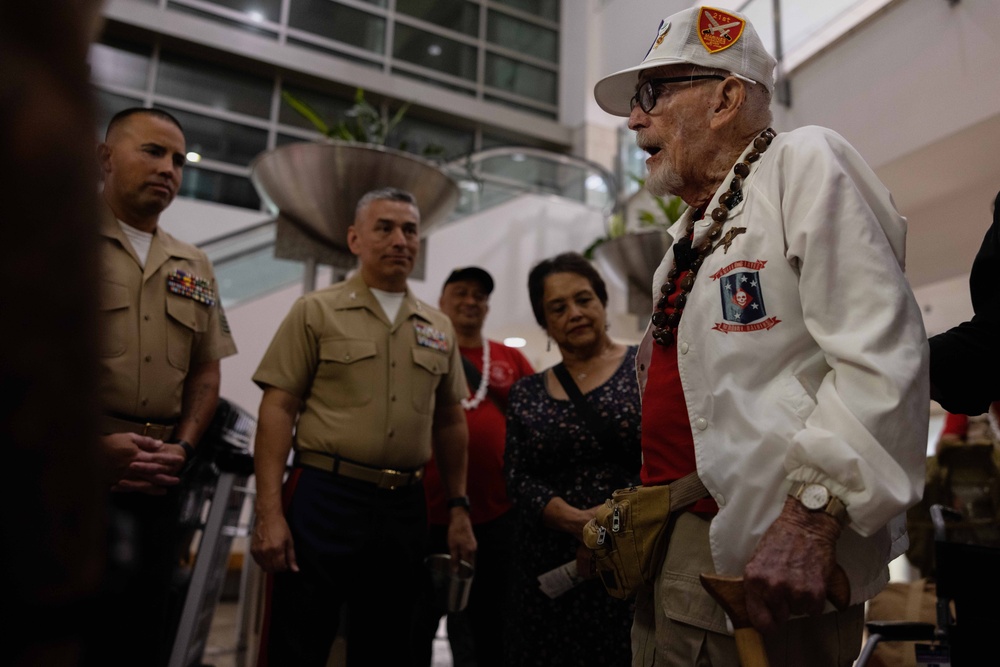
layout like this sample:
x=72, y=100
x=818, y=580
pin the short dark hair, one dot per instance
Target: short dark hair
x=567, y=262
x=132, y=111
x=384, y=194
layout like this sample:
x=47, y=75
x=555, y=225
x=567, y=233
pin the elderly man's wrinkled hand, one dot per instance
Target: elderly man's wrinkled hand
x=789, y=570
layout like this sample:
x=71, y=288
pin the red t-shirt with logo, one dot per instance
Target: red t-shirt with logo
x=486, y=485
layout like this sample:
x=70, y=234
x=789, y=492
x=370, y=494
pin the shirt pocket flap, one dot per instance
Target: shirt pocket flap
x=431, y=361
x=346, y=350
x=185, y=311
x=113, y=296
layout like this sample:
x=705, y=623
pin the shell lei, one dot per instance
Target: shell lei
x=484, y=381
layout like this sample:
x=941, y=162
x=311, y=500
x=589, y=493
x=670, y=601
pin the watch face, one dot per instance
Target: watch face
x=815, y=496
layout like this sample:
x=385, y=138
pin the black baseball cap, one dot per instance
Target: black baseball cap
x=473, y=273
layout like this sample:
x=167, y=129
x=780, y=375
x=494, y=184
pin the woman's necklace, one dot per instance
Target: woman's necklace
x=690, y=260
x=608, y=346
x=484, y=381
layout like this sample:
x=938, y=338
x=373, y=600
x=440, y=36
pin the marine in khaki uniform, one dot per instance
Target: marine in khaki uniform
x=162, y=334
x=362, y=380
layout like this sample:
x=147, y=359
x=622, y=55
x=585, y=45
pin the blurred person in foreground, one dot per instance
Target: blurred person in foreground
x=563, y=460
x=965, y=365
x=491, y=368
x=786, y=361
x=53, y=500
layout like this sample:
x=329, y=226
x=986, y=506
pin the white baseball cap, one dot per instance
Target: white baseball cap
x=704, y=36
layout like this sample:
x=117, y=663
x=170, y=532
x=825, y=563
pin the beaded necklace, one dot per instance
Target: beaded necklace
x=484, y=381
x=689, y=259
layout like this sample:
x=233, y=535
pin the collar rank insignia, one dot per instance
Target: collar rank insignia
x=193, y=287
x=428, y=336
x=718, y=30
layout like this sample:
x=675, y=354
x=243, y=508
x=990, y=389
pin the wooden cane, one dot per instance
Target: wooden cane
x=728, y=592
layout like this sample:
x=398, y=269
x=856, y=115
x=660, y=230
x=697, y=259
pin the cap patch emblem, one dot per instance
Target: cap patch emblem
x=718, y=30
x=661, y=34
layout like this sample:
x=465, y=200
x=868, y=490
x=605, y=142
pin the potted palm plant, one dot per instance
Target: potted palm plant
x=312, y=187
x=635, y=242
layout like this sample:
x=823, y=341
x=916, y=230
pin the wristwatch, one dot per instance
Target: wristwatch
x=459, y=501
x=817, y=498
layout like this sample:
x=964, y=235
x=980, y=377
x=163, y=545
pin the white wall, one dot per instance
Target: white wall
x=915, y=73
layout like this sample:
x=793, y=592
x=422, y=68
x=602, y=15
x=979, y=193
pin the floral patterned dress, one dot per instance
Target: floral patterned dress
x=551, y=452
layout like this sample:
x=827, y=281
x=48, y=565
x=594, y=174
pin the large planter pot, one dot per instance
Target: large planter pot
x=313, y=188
x=631, y=260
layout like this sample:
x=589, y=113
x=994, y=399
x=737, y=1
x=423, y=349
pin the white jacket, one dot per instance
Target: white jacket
x=819, y=371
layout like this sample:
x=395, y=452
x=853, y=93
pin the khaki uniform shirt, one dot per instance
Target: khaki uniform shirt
x=368, y=386
x=151, y=336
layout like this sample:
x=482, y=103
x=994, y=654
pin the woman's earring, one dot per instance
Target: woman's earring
x=548, y=345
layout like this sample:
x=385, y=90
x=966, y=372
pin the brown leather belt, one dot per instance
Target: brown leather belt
x=383, y=478
x=157, y=430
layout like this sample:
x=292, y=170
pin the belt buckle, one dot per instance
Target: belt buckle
x=146, y=427
x=387, y=474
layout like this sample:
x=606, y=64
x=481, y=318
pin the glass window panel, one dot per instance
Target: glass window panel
x=521, y=78
x=221, y=140
x=343, y=24
x=269, y=10
x=495, y=140
x=117, y=63
x=214, y=86
x=251, y=275
x=431, y=140
x=457, y=15
x=330, y=109
x=546, y=9
x=447, y=85
x=219, y=188
x=108, y=104
x=349, y=57
x=520, y=107
x=521, y=36
x=244, y=25
x=434, y=52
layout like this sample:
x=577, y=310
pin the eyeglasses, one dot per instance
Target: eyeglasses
x=646, y=96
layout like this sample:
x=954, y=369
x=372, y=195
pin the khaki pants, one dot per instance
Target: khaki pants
x=677, y=624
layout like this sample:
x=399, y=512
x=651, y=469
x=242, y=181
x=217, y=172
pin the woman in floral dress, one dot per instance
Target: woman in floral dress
x=559, y=470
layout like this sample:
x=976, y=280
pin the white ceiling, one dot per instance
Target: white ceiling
x=946, y=190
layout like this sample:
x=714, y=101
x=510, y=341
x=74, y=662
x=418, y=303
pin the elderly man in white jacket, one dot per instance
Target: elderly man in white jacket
x=786, y=360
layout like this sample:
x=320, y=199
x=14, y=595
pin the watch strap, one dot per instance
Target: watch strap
x=834, y=507
x=459, y=501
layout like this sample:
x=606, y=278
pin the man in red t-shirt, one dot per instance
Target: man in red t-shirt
x=491, y=368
